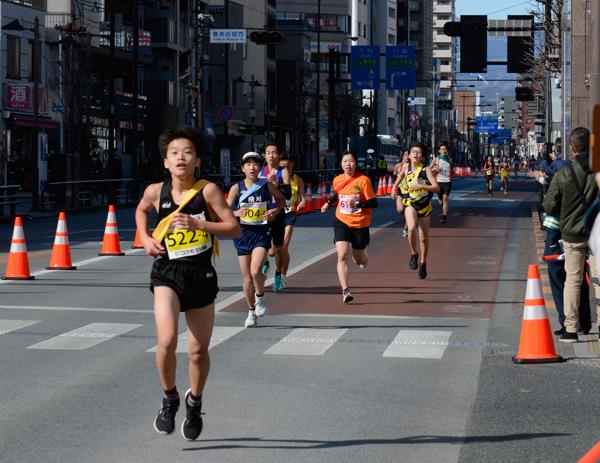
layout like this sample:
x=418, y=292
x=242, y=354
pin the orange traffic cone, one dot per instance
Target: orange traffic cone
x=537, y=345
x=60, y=259
x=17, y=267
x=309, y=200
x=592, y=455
x=137, y=242
x=110, y=244
x=319, y=197
x=380, y=191
x=389, y=185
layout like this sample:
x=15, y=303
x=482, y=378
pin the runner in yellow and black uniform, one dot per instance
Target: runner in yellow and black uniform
x=504, y=175
x=296, y=203
x=488, y=170
x=420, y=183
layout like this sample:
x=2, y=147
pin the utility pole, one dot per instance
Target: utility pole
x=36, y=62
x=595, y=61
x=252, y=110
x=318, y=91
x=194, y=65
x=226, y=78
x=135, y=161
x=548, y=77
x=61, y=89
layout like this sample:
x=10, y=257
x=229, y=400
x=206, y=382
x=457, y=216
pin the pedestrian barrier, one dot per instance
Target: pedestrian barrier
x=60, y=259
x=17, y=267
x=536, y=344
x=137, y=242
x=110, y=243
x=592, y=456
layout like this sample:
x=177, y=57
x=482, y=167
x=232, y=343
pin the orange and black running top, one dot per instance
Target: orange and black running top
x=488, y=168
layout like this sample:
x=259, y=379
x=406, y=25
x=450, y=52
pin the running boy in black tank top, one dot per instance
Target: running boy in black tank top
x=183, y=278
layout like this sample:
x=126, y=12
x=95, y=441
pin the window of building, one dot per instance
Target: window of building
x=445, y=62
x=391, y=39
x=364, y=31
x=391, y=12
x=13, y=57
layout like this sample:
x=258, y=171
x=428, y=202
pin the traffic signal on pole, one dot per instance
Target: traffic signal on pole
x=524, y=94
x=265, y=37
x=473, y=43
x=519, y=50
x=444, y=104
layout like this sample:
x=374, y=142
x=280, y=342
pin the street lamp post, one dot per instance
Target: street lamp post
x=252, y=83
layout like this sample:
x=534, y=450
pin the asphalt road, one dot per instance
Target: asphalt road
x=411, y=371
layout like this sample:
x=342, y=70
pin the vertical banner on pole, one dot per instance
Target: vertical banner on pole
x=42, y=162
x=226, y=166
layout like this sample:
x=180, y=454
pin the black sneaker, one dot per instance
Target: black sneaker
x=192, y=426
x=414, y=261
x=443, y=219
x=165, y=420
x=347, y=296
x=422, y=271
x=568, y=337
x=560, y=331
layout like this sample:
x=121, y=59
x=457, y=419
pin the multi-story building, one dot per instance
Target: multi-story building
x=443, y=47
x=22, y=161
x=444, y=62
x=507, y=112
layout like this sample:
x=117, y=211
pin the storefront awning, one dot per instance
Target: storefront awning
x=44, y=122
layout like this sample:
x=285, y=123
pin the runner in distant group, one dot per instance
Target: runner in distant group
x=504, y=175
x=183, y=279
x=488, y=170
x=420, y=183
x=256, y=202
x=353, y=193
x=442, y=168
x=280, y=178
x=399, y=196
x=292, y=205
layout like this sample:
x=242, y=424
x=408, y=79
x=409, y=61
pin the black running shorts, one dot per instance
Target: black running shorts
x=278, y=229
x=358, y=237
x=196, y=286
x=445, y=189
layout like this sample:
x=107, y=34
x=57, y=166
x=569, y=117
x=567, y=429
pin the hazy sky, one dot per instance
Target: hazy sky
x=497, y=9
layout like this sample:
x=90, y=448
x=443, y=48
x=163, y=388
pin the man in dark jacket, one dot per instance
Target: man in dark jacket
x=570, y=191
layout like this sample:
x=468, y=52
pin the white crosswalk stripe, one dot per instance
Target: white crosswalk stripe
x=306, y=341
x=416, y=344
x=220, y=334
x=419, y=344
x=6, y=326
x=85, y=337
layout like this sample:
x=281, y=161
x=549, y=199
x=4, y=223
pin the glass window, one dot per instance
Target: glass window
x=391, y=39
x=391, y=12
x=13, y=57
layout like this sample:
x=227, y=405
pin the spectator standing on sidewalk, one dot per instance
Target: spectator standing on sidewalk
x=572, y=189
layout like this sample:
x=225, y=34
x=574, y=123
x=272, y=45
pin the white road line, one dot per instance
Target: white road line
x=73, y=309
x=306, y=341
x=85, y=337
x=80, y=263
x=422, y=344
x=240, y=295
x=220, y=334
x=6, y=326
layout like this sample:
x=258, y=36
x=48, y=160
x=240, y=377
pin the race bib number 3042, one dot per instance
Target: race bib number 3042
x=185, y=243
x=255, y=213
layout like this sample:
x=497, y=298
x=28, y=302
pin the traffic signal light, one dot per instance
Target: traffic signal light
x=265, y=37
x=473, y=43
x=524, y=94
x=444, y=104
x=519, y=50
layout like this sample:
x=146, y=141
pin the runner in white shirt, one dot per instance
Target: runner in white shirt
x=442, y=168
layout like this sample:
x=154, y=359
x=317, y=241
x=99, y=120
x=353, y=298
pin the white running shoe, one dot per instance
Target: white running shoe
x=284, y=284
x=251, y=320
x=405, y=232
x=260, y=306
x=364, y=265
